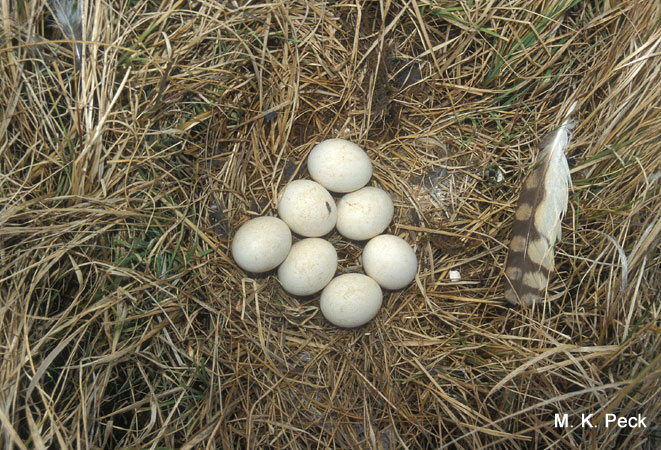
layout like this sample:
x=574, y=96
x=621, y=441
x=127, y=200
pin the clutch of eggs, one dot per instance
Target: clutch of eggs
x=308, y=209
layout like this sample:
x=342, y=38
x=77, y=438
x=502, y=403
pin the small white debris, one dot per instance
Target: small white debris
x=499, y=175
x=454, y=275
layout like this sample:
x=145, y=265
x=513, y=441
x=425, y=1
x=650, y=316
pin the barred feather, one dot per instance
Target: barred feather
x=538, y=220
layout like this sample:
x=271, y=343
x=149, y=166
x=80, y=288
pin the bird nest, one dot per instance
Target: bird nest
x=130, y=157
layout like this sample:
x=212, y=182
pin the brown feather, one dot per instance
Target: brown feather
x=537, y=222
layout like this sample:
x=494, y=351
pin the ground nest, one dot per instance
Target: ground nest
x=135, y=141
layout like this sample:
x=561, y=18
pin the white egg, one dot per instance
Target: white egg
x=364, y=213
x=310, y=265
x=308, y=208
x=339, y=165
x=351, y=300
x=261, y=244
x=390, y=260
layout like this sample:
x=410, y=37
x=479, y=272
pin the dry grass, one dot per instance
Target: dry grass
x=125, y=324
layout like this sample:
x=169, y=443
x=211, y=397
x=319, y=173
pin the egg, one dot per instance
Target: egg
x=390, y=261
x=308, y=208
x=261, y=244
x=364, y=213
x=310, y=265
x=351, y=300
x=339, y=165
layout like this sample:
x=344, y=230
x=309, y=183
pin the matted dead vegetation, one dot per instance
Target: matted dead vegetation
x=125, y=324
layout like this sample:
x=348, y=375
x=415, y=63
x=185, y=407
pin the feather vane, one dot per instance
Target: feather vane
x=68, y=17
x=538, y=219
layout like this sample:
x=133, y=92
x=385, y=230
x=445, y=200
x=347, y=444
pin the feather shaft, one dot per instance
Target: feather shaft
x=537, y=223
